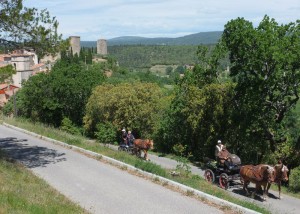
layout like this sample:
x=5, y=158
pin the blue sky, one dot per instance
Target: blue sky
x=106, y=19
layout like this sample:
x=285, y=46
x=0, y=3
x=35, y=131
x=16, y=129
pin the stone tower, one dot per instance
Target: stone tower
x=23, y=64
x=102, y=47
x=75, y=44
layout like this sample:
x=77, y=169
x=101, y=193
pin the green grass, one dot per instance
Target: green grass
x=22, y=192
x=193, y=181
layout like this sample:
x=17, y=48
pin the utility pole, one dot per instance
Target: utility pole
x=15, y=104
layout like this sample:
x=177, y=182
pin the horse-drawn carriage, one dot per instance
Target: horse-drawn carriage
x=139, y=146
x=125, y=148
x=226, y=172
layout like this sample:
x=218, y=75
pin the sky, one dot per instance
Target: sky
x=107, y=19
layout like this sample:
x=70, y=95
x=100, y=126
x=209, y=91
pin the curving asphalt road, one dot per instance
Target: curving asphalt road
x=43, y=157
x=98, y=187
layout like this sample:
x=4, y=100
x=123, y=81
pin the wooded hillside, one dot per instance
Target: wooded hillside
x=145, y=56
x=204, y=38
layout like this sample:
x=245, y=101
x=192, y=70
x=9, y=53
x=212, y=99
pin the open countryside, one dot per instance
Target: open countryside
x=212, y=116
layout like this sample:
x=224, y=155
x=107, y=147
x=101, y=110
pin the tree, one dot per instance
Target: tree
x=106, y=133
x=201, y=109
x=136, y=106
x=169, y=70
x=265, y=64
x=180, y=69
x=197, y=118
x=62, y=93
x=28, y=27
x=6, y=73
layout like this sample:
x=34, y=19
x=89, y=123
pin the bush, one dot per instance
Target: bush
x=106, y=133
x=294, y=184
x=68, y=126
x=136, y=105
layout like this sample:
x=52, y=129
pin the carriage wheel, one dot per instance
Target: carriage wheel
x=129, y=150
x=223, y=181
x=122, y=148
x=209, y=176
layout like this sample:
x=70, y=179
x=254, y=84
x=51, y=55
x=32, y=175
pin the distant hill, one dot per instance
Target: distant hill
x=192, y=39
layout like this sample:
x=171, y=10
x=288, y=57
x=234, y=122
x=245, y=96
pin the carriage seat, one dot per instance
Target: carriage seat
x=228, y=161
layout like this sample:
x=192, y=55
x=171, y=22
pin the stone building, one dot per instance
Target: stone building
x=25, y=64
x=75, y=44
x=102, y=47
x=6, y=91
x=22, y=62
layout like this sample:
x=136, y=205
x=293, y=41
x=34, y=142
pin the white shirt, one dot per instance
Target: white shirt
x=219, y=148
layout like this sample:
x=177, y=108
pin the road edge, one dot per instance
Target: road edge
x=147, y=174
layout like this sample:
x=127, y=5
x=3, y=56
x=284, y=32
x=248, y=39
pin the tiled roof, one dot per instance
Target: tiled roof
x=3, y=65
x=37, y=65
x=6, y=93
x=2, y=56
x=20, y=54
x=5, y=85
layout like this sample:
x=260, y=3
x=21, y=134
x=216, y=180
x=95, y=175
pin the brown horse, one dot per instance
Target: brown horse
x=142, y=145
x=260, y=175
x=281, y=174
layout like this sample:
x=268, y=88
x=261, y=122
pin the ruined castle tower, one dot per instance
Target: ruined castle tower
x=75, y=44
x=101, y=47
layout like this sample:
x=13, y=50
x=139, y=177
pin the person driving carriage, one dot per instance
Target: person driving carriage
x=130, y=138
x=223, y=156
x=124, y=137
x=218, y=149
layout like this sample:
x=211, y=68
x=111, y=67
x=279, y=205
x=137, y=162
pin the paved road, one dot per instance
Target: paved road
x=98, y=187
x=287, y=205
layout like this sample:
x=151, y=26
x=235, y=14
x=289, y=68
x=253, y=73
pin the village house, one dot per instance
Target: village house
x=6, y=91
x=26, y=64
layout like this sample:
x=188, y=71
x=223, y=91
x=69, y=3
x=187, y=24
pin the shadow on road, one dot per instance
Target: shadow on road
x=30, y=156
x=258, y=195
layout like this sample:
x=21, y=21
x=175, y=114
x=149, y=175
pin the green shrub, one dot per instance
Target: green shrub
x=106, y=133
x=294, y=184
x=182, y=161
x=68, y=126
x=8, y=109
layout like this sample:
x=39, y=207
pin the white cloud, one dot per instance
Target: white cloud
x=159, y=18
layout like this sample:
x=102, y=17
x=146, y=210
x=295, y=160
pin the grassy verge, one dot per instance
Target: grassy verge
x=23, y=192
x=193, y=181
